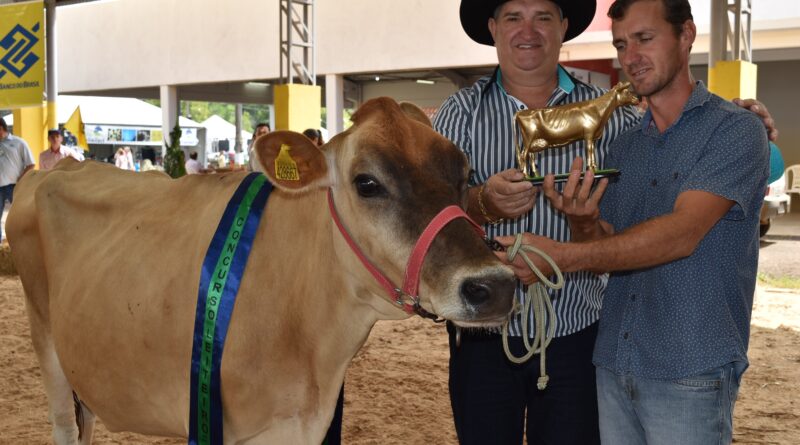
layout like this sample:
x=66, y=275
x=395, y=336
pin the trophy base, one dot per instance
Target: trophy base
x=599, y=174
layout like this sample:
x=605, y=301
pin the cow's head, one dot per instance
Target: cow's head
x=390, y=175
x=624, y=95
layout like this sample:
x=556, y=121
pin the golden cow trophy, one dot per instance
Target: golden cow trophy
x=544, y=128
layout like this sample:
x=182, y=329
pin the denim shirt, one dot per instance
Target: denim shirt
x=692, y=314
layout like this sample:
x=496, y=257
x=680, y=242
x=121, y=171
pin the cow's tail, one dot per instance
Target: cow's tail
x=84, y=419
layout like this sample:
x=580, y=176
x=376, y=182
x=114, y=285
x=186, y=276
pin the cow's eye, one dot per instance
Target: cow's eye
x=368, y=186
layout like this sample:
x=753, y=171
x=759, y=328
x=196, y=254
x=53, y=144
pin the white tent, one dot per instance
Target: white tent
x=218, y=129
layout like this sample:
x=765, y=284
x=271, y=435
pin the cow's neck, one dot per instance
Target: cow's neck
x=322, y=326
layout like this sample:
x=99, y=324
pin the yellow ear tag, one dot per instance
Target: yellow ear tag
x=285, y=167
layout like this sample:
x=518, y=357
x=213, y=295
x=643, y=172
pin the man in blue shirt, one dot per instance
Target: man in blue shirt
x=674, y=328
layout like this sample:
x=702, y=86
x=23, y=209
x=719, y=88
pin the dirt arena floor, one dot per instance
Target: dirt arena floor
x=396, y=390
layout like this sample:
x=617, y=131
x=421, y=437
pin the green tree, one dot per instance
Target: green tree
x=174, y=160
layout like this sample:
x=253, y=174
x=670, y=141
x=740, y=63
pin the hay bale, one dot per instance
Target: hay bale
x=6, y=263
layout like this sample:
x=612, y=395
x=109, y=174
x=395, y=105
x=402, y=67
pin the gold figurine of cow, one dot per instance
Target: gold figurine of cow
x=544, y=128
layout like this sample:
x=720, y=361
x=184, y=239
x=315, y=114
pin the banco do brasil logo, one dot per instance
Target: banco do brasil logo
x=19, y=56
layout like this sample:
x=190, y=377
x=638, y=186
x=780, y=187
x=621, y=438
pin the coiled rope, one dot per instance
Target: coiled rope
x=538, y=296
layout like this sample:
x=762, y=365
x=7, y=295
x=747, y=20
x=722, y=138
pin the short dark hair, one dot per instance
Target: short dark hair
x=263, y=124
x=193, y=155
x=676, y=12
x=3, y=124
x=312, y=133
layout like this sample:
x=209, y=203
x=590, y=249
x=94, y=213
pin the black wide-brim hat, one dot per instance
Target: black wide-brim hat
x=475, y=15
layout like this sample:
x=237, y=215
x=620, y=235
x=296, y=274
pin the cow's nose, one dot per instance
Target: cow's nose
x=476, y=291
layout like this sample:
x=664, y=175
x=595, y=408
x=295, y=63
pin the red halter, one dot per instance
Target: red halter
x=406, y=297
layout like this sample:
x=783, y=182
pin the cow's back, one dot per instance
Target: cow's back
x=100, y=250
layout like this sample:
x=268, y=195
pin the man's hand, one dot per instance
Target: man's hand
x=578, y=201
x=761, y=111
x=506, y=195
x=520, y=268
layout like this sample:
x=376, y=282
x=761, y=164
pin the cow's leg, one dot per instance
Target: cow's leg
x=59, y=395
x=59, y=391
x=293, y=431
x=591, y=160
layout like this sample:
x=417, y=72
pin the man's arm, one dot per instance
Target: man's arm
x=762, y=112
x=27, y=159
x=503, y=195
x=25, y=170
x=655, y=241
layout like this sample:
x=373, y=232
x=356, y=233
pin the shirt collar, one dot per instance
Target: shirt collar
x=700, y=95
x=565, y=82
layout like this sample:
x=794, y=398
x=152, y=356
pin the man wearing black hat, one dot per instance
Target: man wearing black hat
x=490, y=396
x=55, y=151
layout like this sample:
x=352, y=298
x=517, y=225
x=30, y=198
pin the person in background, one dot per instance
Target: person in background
x=121, y=160
x=56, y=152
x=261, y=129
x=193, y=167
x=147, y=165
x=129, y=157
x=16, y=159
x=776, y=164
x=315, y=136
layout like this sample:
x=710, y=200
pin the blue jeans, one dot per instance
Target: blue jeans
x=6, y=194
x=695, y=410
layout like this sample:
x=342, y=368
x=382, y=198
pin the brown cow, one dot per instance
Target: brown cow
x=110, y=263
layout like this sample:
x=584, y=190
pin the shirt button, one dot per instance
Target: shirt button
x=625, y=336
x=522, y=107
x=654, y=182
x=633, y=297
x=675, y=175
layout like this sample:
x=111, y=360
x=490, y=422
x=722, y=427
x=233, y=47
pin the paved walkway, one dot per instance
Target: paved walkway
x=779, y=255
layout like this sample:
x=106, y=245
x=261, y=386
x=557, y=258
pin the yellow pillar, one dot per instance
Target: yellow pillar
x=52, y=115
x=30, y=124
x=733, y=78
x=298, y=107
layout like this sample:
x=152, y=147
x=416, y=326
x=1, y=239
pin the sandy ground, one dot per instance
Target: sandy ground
x=396, y=391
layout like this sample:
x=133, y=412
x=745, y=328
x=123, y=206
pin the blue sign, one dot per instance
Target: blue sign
x=19, y=43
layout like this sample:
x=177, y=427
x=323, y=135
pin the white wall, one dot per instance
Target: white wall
x=141, y=43
x=144, y=43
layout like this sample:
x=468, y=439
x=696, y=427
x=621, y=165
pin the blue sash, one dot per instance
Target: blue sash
x=220, y=277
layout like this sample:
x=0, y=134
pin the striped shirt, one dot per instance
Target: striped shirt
x=479, y=120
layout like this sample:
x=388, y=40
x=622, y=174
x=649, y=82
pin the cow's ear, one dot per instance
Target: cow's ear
x=290, y=160
x=415, y=113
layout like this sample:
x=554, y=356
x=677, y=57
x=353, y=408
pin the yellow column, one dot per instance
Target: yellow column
x=733, y=78
x=30, y=124
x=298, y=107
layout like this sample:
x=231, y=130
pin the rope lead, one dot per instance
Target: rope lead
x=538, y=296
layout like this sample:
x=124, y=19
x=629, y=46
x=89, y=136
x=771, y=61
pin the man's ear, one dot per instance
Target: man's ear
x=492, y=28
x=688, y=34
x=290, y=160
